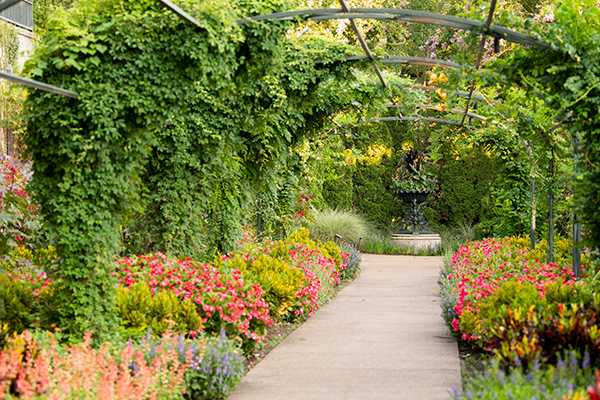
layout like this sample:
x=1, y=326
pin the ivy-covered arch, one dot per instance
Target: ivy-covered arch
x=133, y=65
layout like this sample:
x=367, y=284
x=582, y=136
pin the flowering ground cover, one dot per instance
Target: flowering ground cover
x=478, y=269
x=30, y=371
x=224, y=300
x=320, y=266
x=536, y=321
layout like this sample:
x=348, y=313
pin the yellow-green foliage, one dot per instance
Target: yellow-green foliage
x=301, y=236
x=331, y=251
x=22, y=259
x=4, y=334
x=563, y=250
x=26, y=305
x=139, y=310
x=279, y=281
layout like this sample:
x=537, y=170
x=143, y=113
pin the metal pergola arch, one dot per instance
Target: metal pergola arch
x=344, y=12
x=424, y=17
x=485, y=28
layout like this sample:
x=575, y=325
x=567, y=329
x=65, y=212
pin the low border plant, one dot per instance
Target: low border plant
x=572, y=378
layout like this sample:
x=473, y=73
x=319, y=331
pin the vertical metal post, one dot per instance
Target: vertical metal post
x=576, y=248
x=576, y=218
x=8, y=129
x=551, y=211
x=532, y=204
x=258, y=220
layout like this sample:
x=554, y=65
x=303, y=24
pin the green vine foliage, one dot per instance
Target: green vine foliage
x=11, y=96
x=9, y=43
x=184, y=112
x=569, y=79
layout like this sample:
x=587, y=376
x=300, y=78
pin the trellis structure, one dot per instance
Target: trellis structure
x=345, y=12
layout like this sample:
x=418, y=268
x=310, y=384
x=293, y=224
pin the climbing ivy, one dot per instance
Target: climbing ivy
x=132, y=64
x=184, y=112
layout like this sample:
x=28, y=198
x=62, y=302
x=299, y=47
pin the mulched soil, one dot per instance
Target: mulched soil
x=471, y=360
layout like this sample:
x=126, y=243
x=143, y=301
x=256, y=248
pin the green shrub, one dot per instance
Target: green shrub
x=464, y=192
x=23, y=259
x=279, y=280
x=140, y=310
x=563, y=250
x=373, y=197
x=27, y=301
x=337, y=193
x=523, y=337
x=350, y=226
x=318, y=267
x=331, y=251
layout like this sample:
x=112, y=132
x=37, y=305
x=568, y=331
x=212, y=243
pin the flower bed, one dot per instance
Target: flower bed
x=224, y=300
x=537, y=321
x=30, y=371
x=479, y=269
x=319, y=267
x=236, y=297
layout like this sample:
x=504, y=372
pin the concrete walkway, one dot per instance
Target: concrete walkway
x=382, y=337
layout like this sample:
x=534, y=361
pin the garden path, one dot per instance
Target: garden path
x=382, y=337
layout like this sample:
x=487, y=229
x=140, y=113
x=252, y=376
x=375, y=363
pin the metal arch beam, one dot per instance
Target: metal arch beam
x=179, y=12
x=488, y=23
x=404, y=118
x=430, y=62
x=38, y=85
x=364, y=45
x=461, y=94
x=408, y=16
x=7, y=3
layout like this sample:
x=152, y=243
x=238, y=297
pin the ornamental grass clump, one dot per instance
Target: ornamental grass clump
x=328, y=223
x=378, y=244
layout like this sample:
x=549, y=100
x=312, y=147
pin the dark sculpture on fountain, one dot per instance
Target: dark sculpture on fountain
x=413, y=183
x=414, y=213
